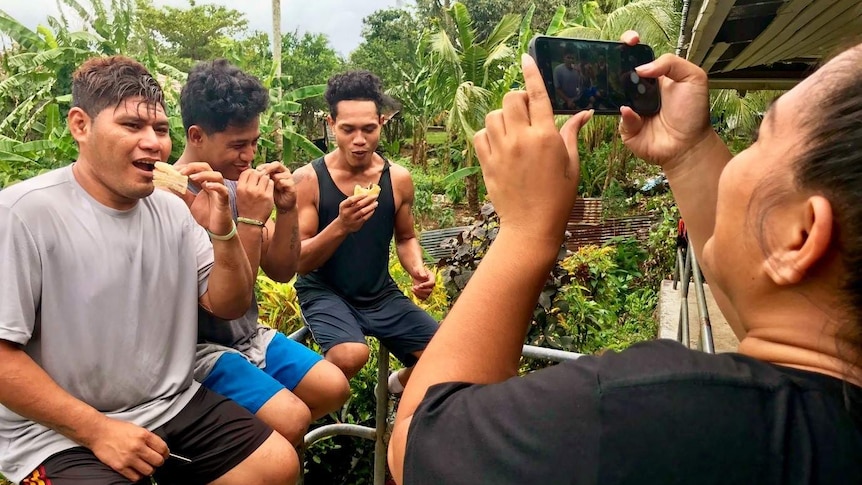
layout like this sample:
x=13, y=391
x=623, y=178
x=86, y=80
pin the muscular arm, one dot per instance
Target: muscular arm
x=316, y=248
x=406, y=243
x=230, y=283
x=281, y=246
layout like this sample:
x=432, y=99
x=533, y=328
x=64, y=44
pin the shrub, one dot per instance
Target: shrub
x=594, y=299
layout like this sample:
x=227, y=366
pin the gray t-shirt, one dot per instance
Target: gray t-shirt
x=567, y=80
x=105, y=301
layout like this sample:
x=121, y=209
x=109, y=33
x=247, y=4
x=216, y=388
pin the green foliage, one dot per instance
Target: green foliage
x=35, y=80
x=187, y=35
x=306, y=60
x=428, y=208
x=593, y=300
x=388, y=46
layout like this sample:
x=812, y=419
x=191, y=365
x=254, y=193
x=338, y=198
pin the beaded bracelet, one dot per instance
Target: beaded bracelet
x=226, y=237
x=253, y=222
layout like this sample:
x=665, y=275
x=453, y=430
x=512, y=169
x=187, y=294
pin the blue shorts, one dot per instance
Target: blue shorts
x=235, y=378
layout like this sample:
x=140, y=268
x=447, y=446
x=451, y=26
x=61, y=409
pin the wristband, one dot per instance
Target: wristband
x=253, y=222
x=226, y=237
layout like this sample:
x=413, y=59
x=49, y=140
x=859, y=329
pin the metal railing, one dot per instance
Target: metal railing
x=381, y=394
x=685, y=270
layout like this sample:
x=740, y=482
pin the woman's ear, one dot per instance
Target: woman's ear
x=801, y=241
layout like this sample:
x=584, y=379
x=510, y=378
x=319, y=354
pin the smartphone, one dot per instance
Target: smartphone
x=583, y=74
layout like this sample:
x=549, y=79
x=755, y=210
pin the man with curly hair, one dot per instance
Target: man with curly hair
x=345, y=289
x=284, y=383
x=103, y=278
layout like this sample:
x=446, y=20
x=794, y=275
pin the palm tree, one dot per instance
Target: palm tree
x=469, y=78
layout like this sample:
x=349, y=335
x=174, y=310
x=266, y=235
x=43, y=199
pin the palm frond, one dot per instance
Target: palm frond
x=473, y=63
x=655, y=20
x=503, y=31
x=463, y=24
x=46, y=34
x=20, y=34
x=557, y=22
x=305, y=92
x=525, y=33
x=500, y=53
x=442, y=45
x=580, y=32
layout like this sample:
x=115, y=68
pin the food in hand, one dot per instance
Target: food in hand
x=372, y=189
x=166, y=176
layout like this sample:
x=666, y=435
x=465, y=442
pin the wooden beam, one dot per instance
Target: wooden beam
x=709, y=21
x=714, y=55
x=814, y=21
x=785, y=16
x=754, y=84
x=819, y=35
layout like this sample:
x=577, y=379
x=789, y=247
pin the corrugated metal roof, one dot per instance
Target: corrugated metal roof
x=766, y=44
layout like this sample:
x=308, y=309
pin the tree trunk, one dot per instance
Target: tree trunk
x=472, y=184
x=276, y=58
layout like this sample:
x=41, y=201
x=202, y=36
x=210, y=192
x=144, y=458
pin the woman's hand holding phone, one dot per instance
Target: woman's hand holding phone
x=681, y=128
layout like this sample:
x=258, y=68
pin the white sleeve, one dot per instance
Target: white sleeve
x=21, y=283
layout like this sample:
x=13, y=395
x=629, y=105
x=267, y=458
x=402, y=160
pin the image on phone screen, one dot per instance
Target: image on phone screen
x=600, y=75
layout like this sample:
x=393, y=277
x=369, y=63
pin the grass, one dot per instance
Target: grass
x=436, y=137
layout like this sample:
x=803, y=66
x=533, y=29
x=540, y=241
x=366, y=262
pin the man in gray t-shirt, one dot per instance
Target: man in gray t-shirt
x=98, y=308
x=567, y=82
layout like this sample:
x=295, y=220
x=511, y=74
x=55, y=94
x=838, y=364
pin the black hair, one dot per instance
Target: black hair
x=219, y=94
x=353, y=86
x=832, y=165
x=103, y=82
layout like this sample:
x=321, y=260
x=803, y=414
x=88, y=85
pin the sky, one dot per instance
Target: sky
x=340, y=20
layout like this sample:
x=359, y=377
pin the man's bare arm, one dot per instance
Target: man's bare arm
x=318, y=247
x=281, y=247
x=26, y=389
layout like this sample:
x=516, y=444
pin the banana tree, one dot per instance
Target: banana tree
x=468, y=79
x=282, y=107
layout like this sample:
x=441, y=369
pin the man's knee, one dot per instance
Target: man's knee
x=324, y=389
x=287, y=415
x=275, y=462
x=349, y=357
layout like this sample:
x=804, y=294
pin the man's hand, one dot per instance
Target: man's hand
x=423, y=282
x=254, y=195
x=285, y=187
x=130, y=450
x=210, y=207
x=531, y=172
x=355, y=210
x=683, y=121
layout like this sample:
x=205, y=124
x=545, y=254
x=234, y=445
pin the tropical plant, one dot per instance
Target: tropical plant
x=472, y=75
x=35, y=79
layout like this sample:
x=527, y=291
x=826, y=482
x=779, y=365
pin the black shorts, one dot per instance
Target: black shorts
x=396, y=321
x=214, y=432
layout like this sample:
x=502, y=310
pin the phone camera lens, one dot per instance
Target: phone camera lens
x=635, y=78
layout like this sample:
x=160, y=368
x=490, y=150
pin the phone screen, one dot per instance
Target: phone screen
x=589, y=74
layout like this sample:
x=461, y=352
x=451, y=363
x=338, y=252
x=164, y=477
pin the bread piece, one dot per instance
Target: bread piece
x=372, y=189
x=166, y=176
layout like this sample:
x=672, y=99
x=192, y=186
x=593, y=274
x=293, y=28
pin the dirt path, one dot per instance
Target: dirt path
x=669, y=310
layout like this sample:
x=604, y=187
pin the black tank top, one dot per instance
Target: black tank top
x=358, y=270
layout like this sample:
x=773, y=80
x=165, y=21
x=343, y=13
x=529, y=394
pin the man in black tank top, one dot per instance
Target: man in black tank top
x=345, y=289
